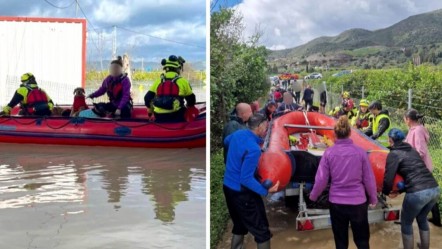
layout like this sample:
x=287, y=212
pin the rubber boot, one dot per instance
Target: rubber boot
x=425, y=240
x=408, y=241
x=435, y=216
x=265, y=245
x=237, y=241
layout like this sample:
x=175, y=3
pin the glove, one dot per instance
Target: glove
x=117, y=112
x=6, y=110
x=191, y=113
x=151, y=117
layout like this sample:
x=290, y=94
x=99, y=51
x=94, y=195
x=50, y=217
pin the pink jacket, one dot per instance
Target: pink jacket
x=418, y=137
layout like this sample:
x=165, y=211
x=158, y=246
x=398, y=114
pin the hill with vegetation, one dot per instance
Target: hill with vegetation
x=417, y=38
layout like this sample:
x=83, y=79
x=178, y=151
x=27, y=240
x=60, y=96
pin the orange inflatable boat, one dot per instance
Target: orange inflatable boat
x=311, y=134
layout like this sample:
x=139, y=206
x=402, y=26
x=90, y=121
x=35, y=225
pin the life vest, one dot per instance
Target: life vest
x=384, y=138
x=168, y=92
x=362, y=119
x=37, y=100
x=115, y=88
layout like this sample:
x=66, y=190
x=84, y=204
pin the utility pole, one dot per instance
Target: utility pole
x=142, y=64
x=114, y=44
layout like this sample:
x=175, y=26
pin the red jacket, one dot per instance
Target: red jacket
x=79, y=101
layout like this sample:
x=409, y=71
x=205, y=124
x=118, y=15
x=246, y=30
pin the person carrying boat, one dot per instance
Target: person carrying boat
x=346, y=109
x=269, y=110
x=287, y=105
x=421, y=188
x=345, y=166
x=32, y=99
x=362, y=118
x=165, y=98
x=117, y=87
x=418, y=137
x=243, y=192
x=378, y=129
x=238, y=121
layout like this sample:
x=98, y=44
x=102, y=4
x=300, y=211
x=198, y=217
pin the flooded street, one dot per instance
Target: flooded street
x=96, y=197
x=283, y=220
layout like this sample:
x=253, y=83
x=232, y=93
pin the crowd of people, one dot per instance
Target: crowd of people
x=344, y=167
x=169, y=99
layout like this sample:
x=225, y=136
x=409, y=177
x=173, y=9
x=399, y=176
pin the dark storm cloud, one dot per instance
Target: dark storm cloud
x=182, y=21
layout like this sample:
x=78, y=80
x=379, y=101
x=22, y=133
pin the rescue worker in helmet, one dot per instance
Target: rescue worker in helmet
x=345, y=95
x=32, y=99
x=378, y=129
x=362, y=119
x=117, y=87
x=347, y=108
x=165, y=99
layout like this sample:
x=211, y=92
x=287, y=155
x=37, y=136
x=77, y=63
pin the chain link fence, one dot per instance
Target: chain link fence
x=434, y=125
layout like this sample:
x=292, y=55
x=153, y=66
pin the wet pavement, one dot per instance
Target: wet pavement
x=96, y=197
x=282, y=221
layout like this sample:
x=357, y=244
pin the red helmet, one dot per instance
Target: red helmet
x=348, y=103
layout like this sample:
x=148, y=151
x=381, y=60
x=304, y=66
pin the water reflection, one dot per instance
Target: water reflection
x=36, y=177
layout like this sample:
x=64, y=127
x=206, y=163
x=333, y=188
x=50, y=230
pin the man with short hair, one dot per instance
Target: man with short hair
x=238, y=121
x=241, y=189
x=268, y=110
x=288, y=105
x=379, y=128
x=308, y=97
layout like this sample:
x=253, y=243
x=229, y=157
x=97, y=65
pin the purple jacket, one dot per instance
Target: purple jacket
x=119, y=103
x=347, y=168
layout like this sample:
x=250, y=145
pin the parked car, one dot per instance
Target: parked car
x=313, y=76
x=344, y=72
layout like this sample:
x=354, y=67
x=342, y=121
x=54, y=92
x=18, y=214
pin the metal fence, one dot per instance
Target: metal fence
x=434, y=125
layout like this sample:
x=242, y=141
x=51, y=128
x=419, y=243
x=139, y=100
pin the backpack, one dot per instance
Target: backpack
x=167, y=92
x=37, y=100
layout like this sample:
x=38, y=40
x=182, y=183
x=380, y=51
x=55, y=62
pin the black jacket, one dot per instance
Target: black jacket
x=233, y=125
x=384, y=124
x=406, y=161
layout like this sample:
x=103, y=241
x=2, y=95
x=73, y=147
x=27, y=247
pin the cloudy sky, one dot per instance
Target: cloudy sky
x=289, y=23
x=176, y=20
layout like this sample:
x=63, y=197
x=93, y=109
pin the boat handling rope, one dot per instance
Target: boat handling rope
x=35, y=120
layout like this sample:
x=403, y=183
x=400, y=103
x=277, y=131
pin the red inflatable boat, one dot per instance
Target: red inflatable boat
x=313, y=132
x=136, y=132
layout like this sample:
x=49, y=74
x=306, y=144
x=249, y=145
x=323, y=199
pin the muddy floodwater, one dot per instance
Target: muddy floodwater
x=282, y=221
x=96, y=197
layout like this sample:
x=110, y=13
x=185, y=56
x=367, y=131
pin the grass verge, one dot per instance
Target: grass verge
x=218, y=210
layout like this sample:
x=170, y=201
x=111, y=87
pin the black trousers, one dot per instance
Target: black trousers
x=308, y=103
x=298, y=97
x=248, y=214
x=357, y=217
x=173, y=117
x=126, y=111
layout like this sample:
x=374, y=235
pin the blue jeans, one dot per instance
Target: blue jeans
x=417, y=206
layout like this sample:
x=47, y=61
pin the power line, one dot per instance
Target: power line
x=213, y=6
x=160, y=38
x=90, y=23
x=59, y=7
